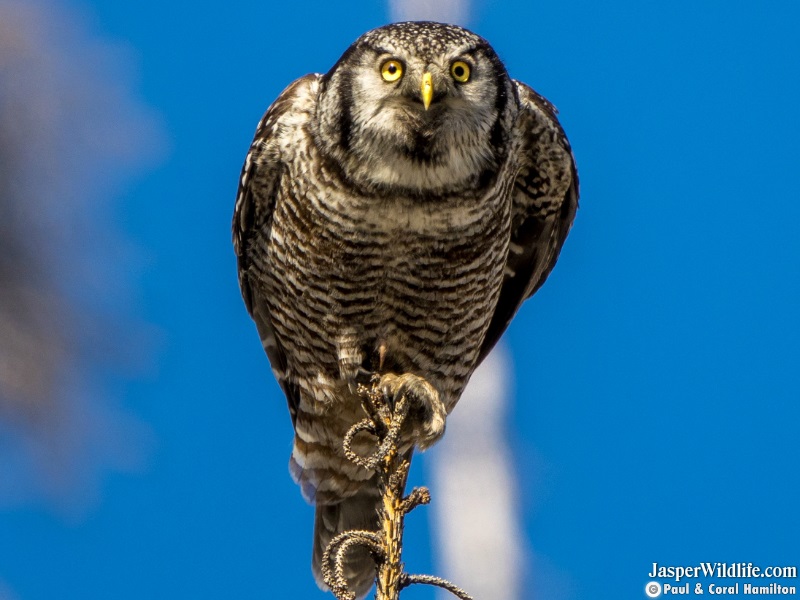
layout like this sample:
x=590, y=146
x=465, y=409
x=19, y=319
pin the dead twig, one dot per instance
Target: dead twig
x=385, y=417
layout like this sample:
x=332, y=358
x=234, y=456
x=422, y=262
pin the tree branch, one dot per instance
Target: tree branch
x=384, y=421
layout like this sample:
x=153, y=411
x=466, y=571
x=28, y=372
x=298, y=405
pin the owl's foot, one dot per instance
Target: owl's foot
x=426, y=416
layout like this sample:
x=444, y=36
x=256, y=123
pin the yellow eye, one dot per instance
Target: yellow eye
x=392, y=70
x=460, y=71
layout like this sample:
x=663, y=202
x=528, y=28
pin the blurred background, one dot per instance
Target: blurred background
x=644, y=406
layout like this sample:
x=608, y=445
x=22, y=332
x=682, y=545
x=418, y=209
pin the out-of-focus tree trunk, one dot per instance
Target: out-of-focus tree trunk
x=70, y=131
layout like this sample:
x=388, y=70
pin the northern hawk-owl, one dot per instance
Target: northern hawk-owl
x=392, y=216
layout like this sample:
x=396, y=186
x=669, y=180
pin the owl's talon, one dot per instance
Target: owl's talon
x=427, y=415
x=358, y=378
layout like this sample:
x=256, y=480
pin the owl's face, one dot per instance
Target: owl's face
x=417, y=106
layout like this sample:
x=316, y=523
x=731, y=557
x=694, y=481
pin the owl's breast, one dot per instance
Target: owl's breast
x=352, y=273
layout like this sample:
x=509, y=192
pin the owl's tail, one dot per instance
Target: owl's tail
x=359, y=511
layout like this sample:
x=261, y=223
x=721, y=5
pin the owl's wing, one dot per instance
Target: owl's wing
x=545, y=199
x=252, y=215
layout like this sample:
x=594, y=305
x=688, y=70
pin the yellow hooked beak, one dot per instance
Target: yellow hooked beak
x=426, y=87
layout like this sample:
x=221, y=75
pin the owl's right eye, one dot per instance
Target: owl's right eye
x=392, y=70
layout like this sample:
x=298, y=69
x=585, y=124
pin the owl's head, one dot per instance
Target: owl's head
x=419, y=106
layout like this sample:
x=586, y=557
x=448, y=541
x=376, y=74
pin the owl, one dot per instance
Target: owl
x=392, y=216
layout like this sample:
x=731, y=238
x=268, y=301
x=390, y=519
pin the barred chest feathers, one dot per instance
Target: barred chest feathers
x=417, y=276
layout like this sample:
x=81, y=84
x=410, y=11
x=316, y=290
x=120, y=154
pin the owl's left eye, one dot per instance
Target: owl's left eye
x=460, y=71
x=392, y=70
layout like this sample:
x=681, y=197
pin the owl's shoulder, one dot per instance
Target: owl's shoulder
x=544, y=155
x=530, y=99
x=282, y=125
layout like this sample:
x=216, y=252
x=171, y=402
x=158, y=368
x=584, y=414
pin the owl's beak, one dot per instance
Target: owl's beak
x=426, y=88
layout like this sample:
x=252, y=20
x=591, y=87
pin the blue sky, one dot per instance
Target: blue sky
x=656, y=373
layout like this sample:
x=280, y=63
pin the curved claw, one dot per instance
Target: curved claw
x=427, y=414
